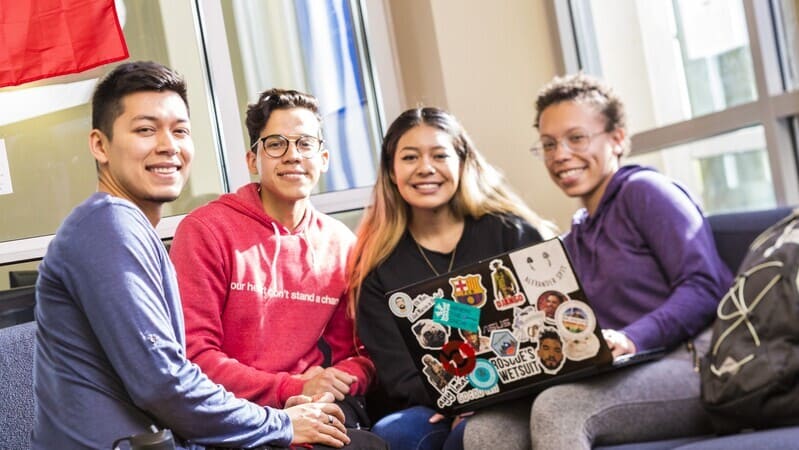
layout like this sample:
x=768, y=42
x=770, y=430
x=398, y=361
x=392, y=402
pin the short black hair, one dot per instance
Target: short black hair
x=129, y=78
x=258, y=113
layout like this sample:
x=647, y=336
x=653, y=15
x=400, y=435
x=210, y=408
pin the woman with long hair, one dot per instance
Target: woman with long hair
x=437, y=205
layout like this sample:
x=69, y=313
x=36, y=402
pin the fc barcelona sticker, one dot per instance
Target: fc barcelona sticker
x=469, y=290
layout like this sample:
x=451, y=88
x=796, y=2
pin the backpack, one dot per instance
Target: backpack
x=750, y=375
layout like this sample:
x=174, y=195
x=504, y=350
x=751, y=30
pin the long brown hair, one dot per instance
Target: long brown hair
x=482, y=190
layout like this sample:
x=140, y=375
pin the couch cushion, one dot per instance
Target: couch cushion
x=733, y=232
x=16, y=385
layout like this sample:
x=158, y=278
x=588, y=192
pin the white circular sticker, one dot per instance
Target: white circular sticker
x=575, y=320
x=400, y=304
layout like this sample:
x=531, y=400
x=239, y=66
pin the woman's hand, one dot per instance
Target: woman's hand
x=619, y=343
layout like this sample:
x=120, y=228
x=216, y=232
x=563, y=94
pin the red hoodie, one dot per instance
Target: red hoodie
x=258, y=297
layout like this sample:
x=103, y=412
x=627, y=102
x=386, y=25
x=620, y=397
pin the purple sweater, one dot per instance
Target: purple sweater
x=647, y=260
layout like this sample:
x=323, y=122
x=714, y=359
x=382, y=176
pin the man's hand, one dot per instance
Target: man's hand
x=318, y=422
x=619, y=343
x=319, y=380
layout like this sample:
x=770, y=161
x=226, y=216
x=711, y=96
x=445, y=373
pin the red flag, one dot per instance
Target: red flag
x=46, y=38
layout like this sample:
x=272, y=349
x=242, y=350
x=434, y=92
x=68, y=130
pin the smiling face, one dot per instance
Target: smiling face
x=550, y=351
x=288, y=180
x=426, y=168
x=581, y=174
x=148, y=159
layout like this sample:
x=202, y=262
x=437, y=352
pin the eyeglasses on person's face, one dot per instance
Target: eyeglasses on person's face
x=577, y=141
x=276, y=145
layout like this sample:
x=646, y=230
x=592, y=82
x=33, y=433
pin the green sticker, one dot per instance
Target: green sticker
x=456, y=315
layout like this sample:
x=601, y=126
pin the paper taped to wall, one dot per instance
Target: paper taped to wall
x=5, y=174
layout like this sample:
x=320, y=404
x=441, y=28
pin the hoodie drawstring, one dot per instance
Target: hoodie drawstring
x=273, y=268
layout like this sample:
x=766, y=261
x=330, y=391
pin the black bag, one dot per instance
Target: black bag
x=750, y=375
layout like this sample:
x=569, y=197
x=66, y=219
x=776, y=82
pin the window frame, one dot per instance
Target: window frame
x=774, y=108
x=383, y=87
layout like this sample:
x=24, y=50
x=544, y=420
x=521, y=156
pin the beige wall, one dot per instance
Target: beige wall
x=484, y=62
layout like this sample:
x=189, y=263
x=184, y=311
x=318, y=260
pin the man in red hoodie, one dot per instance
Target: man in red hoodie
x=262, y=273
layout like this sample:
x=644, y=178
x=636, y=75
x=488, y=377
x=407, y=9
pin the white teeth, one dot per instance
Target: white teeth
x=165, y=170
x=426, y=186
x=569, y=173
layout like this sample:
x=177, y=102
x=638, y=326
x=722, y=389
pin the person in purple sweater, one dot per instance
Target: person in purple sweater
x=646, y=258
x=647, y=261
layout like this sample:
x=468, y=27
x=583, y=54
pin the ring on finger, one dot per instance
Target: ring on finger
x=330, y=419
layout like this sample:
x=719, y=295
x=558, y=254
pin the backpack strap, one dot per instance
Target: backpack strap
x=740, y=314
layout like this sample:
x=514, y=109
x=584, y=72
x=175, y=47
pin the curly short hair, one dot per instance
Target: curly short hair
x=583, y=88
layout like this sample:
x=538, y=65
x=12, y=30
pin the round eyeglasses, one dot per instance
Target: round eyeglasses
x=276, y=145
x=578, y=141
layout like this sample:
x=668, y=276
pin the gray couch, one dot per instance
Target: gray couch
x=16, y=385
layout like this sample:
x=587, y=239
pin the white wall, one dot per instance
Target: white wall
x=484, y=62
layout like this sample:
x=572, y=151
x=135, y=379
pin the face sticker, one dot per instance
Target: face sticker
x=550, y=351
x=544, y=267
x=549, y=301
x=469, y=290
x=400, y=304
x=582, y=348
x=479, y=343
x=527, y=323
x=431, y=335
x=484, y=376
x=506, y=288
x=503, y=343
x=435, y=373
x=457, y=358
x=575, y=320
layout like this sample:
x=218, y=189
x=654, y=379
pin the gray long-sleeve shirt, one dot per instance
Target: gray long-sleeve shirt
x=110, y=358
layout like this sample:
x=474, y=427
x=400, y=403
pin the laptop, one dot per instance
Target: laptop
x=502, y=328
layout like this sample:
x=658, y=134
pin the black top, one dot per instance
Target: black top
x=397, y=374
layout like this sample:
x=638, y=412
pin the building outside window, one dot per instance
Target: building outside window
x=710, y=88
x=228, y=52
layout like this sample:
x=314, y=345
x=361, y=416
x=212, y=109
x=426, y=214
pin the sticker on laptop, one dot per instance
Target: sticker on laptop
x=469, y=290
x=505, y=286
x=479, y=343
x=544, y=267
x=431, y=335
x=484, y=376
x=527, y=322
x=549, y=301
x=581, y=348
x=422, y=303
x=504, y=343
x=435, y=373
x=456, y=315
x=400, y=304
x=575, y=319
x=523, y=365
x=457, y=358
x=550, y=351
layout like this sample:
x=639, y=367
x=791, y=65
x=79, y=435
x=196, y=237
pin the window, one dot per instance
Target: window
x=228, y=52
x=710, y=89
